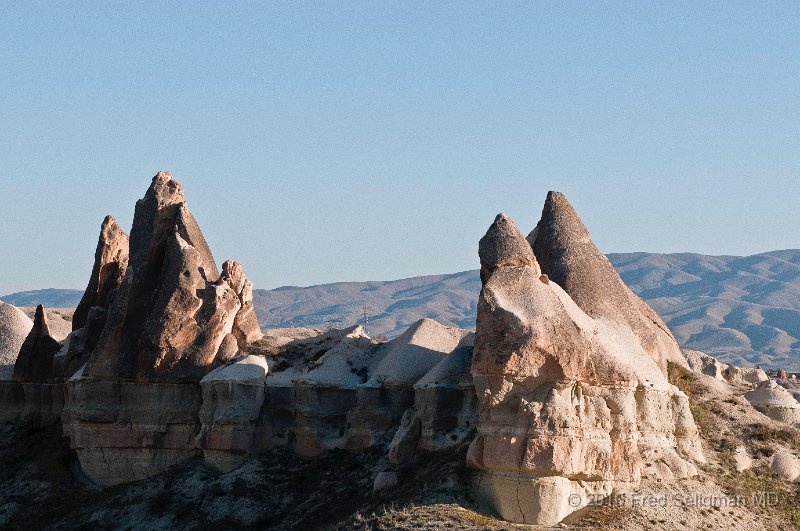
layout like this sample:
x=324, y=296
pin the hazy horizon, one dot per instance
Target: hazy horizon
x=328, y=142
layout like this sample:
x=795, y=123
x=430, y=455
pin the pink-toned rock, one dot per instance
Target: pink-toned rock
x=173, y=311
x=568, y=404
x=171, y=319
x=568, y=256
x=110, y=264
x=245, y=326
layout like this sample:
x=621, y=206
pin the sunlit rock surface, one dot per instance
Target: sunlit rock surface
x=571, y=403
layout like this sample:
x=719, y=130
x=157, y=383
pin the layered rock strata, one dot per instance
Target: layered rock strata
x=31, y=397
x=340, y=389
x=126, y=431
x=232, y=400
x=571, y=403
x=160, y=317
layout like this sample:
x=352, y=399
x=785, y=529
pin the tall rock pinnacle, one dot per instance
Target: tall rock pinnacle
x=173, y=312
x=566, y=253
x=568, y=400
x=110, y=264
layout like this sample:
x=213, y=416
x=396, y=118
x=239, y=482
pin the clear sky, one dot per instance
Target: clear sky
x=321, y=142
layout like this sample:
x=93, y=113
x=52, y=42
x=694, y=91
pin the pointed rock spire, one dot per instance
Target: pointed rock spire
x=110, y=264
x=504, y=246
x=568, y=256
x=173, y=314
x=516, y=299
x=35, y=360
x=567, y=403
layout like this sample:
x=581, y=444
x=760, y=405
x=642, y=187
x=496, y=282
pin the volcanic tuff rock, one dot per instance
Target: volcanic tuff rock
x=89, y=319
x=35, y=360
x=341, y=389
x=775, y=402
x=568, y=256
x=172, y=314
x=14, y=328
x=169, y=320
x=570, y=404
x=110, y=263
x=233, y=396
x=703, y=363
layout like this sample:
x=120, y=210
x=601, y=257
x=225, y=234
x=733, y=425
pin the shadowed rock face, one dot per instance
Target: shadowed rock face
x=168, y=322
x=173, y=312
x=568, y=404
x=566, y=253
x=35, y=360
x=89, y=319
x=110, y=263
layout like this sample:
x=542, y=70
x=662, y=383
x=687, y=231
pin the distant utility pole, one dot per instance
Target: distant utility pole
x=365, y=316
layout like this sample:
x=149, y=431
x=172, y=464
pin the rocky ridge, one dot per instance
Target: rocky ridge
x=566, y=389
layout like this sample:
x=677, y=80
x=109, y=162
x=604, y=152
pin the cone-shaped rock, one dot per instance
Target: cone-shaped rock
x=500, y=247
x=35, y=360
x=568, y=256
x=511, y=275
x=110, y=263
x=568, y=405
x=172, y=312
x=14, y=328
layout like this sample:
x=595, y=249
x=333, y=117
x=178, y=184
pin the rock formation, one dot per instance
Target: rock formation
x=173, y=312
x=89, y=319
x=775, y=402
x=233, y=396
x=710, y=366
x=110, y=263
x=568, y=256
x=571, y=402
x=171, y=317
x=14, y=328
x=35, y=360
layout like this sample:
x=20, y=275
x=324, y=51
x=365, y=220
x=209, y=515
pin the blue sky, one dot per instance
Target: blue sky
x=321, y=142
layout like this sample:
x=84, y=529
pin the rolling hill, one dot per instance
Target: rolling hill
x=743, y=310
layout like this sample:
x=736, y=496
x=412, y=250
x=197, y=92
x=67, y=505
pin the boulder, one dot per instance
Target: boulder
x=35, y=360
x=785, y=464
x=14, y=328
x=385, y=480
x=569, y=404
x=775, y=402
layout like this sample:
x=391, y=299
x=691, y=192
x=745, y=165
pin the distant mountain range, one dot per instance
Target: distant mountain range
x=50, y=297
x=744, y=310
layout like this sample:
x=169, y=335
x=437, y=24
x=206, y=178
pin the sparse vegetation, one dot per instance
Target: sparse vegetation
x=724, y=432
